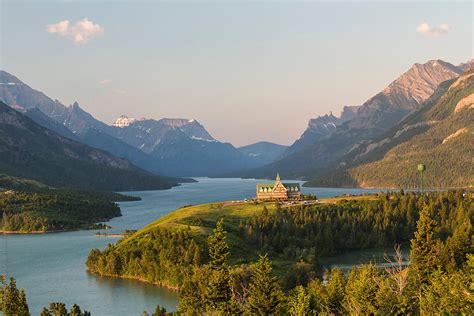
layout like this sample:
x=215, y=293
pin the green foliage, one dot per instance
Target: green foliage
x=299, y=302
x=361, y=290
x=390, y=160
x=424, y=256
x=160, y=256
x=218, y=292
x=12, y=300
x=265, y=294
x=60, y=309
x=446, y=294
x=55, y=209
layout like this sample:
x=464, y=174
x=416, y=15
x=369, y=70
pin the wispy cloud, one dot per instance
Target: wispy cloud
x=105, y=81
x=117, y=91
x=432, y=31
x=81, y=32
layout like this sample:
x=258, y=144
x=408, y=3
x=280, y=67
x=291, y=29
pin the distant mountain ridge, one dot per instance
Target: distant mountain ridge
x=265, y=152
x=439, y=134
x=172, y=147
x=320, y=127
x=28, y=150
x=376, y=116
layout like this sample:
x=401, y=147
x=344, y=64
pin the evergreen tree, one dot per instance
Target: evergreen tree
x=22, y=308
x=76, y=311
x=218, y=292
x=265, y=295
x=58, y=309
x=298, y=304
x=159, y=311
x=13, y=300
x=335, y=288
x=45, y=312
x=445, y=294
x=423, y=255
x=361, y=290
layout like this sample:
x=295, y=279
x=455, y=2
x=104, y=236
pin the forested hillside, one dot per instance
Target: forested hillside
x=30, y=151
x=43, y=209
x=372, y=119
x=439, y=135
x=295, y=237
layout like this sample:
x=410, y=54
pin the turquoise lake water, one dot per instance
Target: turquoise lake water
x=50, y=267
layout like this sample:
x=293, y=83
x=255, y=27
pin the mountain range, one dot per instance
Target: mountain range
x=439, y=134
x=28, y=150
x=332, y=151
x=172, y=147
x=370, y=120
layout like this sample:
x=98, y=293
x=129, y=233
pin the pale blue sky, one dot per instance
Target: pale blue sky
x=248, y=71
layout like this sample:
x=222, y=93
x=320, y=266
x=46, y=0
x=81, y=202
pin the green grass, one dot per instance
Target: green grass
x=201, y=219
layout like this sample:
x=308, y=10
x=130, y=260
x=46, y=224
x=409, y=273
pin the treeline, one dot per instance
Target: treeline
x=13, y=303
x=160, y=256
x=295, y=237
x=48, y=209
x=330, y=228
x=439, y=280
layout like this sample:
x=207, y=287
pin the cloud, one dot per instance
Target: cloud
x=83, y=31
x=105, y=81
x=432, y=31
x=117, y=91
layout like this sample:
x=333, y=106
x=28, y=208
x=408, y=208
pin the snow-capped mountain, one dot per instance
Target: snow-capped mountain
x=123, y=121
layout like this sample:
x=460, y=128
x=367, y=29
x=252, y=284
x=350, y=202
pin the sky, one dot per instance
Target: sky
x=247, y=70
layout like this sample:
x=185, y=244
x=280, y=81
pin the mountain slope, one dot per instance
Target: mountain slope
x=372, y=119
x=262, y=152
x=81, y=124
x=30, y=151
x=321, y=127
x=440, y=134
x=182, y=147
x=173, y=147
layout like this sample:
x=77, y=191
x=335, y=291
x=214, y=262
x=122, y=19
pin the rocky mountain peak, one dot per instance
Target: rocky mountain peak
x=123, y=121
x=467, y=65
x=419, y=82
x=176, y=122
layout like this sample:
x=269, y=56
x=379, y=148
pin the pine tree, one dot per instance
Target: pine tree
x=299, y=302
x=361, y=290
x=76, y=311
x=191, y=293
x=335, y=287
x=45, y=312
x=218, y=292
x=423, y=255
x=265, y=295
x=58, y=309
x=159, y=311
x=11, y=298
x=22, y=307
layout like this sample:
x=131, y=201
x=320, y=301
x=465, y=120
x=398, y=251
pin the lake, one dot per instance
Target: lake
x=51, y=267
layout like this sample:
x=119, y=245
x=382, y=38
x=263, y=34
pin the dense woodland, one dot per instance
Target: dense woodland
x=299, y=235
x=47, y=209
x=439, y=279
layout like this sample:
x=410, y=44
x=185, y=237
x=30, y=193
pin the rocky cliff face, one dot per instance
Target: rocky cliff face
x=321, y=127
x=371, y=119
x=438, y=134
x=419, y=82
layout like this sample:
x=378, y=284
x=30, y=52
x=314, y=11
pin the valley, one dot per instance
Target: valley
x=59, y=259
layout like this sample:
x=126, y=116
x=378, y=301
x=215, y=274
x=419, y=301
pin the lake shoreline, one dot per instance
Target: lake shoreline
x=138, y=279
